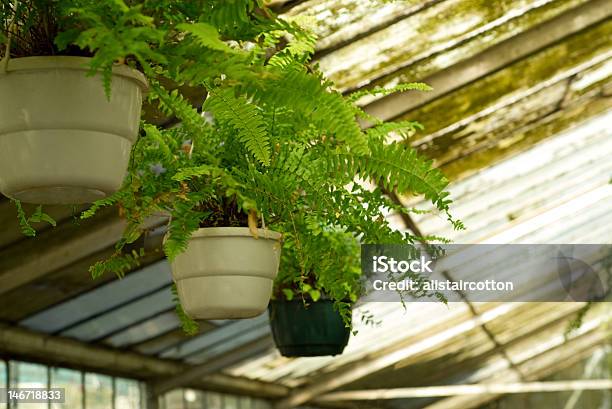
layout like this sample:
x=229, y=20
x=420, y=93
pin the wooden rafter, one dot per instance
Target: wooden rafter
x=59, y=351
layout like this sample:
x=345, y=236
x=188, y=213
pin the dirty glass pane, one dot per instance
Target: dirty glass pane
x=26, y=375
x=230, y=402
x=174, y=400
x=2, y=380
x=194, y=399
x=98, y=391
x=71, y=382
x=214, y=400
x=127, y=394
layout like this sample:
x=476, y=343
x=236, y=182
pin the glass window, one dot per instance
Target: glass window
x=261, y=404
x=71, y=382
x=230, y=402
x=122, y=317
x=98, y=391
x=26, y=375
x=174, y=400
x=127, y=394
x=2, y=380
x=244, y=402
x=214, y=401
x=194, y=399
x=101, y=299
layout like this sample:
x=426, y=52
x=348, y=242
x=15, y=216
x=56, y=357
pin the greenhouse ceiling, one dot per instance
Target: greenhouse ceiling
x=519, y=118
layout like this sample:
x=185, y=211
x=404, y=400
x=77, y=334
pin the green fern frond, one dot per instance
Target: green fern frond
x=380, y=131
x=161, y=144
x=117, y=264
x=24, y=223
x=185, y=221
x=381, y=91
x=173, y=103
x=206, y=36
x=107, y=79
x=39, y=216
x=300, y=47
x=398, y=167
x=312, y=101
x=195, y=172
x=98, y=204
x=245, y=118
x=188, y=325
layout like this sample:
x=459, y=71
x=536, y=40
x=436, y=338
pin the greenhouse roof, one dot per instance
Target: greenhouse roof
x=519, y=120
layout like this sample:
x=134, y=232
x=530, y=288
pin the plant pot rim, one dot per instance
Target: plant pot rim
x=235, y=232
x=320, y=300
x=72, y=63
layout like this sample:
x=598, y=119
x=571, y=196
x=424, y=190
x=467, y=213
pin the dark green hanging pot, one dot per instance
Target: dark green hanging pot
x=313, y=330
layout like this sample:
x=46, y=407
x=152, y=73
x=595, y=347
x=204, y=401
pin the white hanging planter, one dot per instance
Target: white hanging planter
x=226, y=273
x=61, y=140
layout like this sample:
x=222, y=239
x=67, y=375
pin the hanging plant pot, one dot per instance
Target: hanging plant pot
x=313, y=330
x=226, y=273
x=62, y=141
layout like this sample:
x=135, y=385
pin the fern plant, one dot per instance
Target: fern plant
x=326, y=266
x=269, y=142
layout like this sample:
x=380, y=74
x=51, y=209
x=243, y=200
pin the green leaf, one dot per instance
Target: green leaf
x=40, y=216
x=188, y=324
x=380, y=91
x=194, y=172
x=206, y=35
x=245, y=118
x=289, y=294
x=315, y=295
x=24, y=224
x=117, y=264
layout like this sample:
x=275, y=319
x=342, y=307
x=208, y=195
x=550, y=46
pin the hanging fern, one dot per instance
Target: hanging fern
x=244, y=118
x=382, y=91
x=118, y=264
x=188, y=325
x=25, y=222
x=317, y=104
x=258, y=130
x=206, y=35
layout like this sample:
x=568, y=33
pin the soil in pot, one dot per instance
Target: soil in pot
x=299, y=330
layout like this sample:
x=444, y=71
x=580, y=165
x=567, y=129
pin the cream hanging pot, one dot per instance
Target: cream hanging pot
x=62, y=141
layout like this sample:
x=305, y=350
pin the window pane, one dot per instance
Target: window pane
x=71, y=382
x=230, y=402
x=261, y=404
x=98, y=391
x=26, y=375
x=214, y=401
x=194, y=399
x=2, y=380
x=244, y=402
x=174, y=400
x=127, y=394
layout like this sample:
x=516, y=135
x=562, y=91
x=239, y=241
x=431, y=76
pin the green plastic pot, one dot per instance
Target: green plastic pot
x=313, y=330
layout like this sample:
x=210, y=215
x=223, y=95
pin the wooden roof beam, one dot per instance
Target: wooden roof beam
x=495, y=58
x=497, y=388
x=57, y=248
x=59, y=351
x=368, y=366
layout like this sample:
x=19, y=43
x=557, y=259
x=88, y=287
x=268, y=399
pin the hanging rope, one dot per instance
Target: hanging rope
x=263, y=226
x=7, y=52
